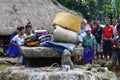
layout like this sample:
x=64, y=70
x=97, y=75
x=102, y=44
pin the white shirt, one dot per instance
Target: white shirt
x=83, y=34
x=18, y=40
x=115, y=29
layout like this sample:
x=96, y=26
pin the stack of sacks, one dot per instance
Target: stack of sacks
x=66, y=28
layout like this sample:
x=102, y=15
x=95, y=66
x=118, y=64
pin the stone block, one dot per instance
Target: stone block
x=36, y=52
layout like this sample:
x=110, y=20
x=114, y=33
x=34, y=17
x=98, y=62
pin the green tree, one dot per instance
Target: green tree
x=86, y=7
x=94, y=9
x=118, y=7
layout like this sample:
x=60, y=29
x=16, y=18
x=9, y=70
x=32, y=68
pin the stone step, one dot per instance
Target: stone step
x=55, y=73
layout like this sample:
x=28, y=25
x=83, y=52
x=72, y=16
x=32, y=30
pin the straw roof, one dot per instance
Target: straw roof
x=16, y=13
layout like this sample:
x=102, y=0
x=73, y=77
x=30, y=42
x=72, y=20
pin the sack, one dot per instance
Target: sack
x=68, y=21
x=63, y=35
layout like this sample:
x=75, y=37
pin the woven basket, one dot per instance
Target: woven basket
x=68, y=21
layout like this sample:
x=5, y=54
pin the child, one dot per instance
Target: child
x=18, y=40
x=11, y=51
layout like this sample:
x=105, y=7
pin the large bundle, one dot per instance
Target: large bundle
x=63, y=35
x=68, y=21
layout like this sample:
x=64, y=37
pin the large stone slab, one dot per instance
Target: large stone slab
x=36, y=52
x=52, y=73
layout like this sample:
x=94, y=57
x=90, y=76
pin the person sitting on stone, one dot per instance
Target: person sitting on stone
x=30, y=37
x=9, y=50
x=17, y=41
x=28, y=31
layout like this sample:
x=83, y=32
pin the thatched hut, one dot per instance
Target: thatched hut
x=41, y=13
x=16, y=13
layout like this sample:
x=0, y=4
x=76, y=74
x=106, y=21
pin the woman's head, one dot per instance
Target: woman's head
x=28, y=28
x=88, y=31
x=82, y=25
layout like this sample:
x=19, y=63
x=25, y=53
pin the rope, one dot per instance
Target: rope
x=54, y=64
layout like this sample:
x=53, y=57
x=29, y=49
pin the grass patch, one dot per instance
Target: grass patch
x=4, y=66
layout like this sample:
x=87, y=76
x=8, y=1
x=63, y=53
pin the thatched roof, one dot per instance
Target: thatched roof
x=16, y=13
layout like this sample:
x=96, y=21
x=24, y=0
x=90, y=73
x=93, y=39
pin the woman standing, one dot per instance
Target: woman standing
x=89, y=44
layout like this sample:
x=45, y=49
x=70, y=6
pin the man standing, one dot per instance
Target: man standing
x=98, y=35
x=116, y=50
x=107, y=33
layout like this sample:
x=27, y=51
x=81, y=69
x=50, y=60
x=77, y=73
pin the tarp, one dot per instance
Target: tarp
x=59, y=46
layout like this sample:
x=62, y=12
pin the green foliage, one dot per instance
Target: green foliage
x=106, y=8
x=86, y=7
x=4, y=66
x=93, y=9
x=118, y=6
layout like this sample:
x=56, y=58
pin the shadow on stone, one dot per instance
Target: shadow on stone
x=41, y=62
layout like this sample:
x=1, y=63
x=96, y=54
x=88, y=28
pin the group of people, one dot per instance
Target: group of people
x=18, y=39
x=101, y=41
x=98, y=41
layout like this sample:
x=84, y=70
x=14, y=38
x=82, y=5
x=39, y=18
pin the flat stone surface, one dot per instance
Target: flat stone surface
x=52, y=73
x=46, y=52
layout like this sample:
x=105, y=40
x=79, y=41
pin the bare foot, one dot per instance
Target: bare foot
x=19, y=64
x=118, y=73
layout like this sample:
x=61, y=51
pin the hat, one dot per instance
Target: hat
x=88, y=29
x=85, y=21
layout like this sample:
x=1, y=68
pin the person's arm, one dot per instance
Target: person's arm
x=94, y=46
x=111, y=34
x=114, y=38
x=13, y=42
x=102, y=37
x=83, y=42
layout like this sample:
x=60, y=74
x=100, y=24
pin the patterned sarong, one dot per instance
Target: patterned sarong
x=88, y=54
